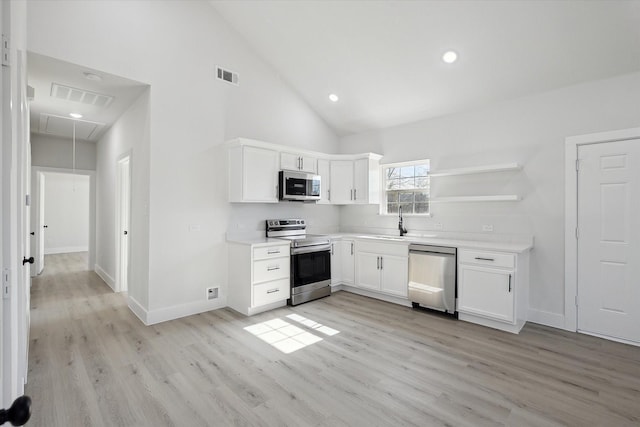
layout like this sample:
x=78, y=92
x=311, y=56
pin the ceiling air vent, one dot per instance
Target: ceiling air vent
x=227, y=76
x=80, y=95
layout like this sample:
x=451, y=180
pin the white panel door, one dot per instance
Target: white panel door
x=368, y=271
x=361, y=181
x=342, y=182
x=487, y=292
x=260, y=175
x=395, y=272
x=324, y=170
x=348, y=261
x=609, y=239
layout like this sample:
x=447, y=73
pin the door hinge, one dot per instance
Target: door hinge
x=576, y=300
x=577, y=165
x=577, y=233
x=6, y=51
x=6, y=283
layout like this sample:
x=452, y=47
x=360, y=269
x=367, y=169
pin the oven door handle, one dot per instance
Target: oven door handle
x=308, y=249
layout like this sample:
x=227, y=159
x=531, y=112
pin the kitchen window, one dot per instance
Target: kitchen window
x=407, y=185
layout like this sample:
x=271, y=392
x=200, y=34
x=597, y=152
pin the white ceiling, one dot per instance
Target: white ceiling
x=383, y=58
x=50, y=114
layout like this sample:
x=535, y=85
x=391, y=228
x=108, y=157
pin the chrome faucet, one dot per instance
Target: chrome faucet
x=403, y=230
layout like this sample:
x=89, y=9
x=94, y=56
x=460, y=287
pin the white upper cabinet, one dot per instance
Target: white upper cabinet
x=298, y=162
x=345, y=178
x=324, y=170
x=356, y=181
x=341, y=178
x=253, y=174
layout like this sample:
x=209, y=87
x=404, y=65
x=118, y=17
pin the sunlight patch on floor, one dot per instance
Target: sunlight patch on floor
x=313, y=325
x=283, y=335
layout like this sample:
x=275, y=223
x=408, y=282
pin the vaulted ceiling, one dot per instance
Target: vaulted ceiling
x=384, y=58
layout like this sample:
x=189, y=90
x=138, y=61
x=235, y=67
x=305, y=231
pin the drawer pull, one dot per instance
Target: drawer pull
x=485, y=259
x=270, y=291
x=273, y=252
x=277, y=267
x=509, y=283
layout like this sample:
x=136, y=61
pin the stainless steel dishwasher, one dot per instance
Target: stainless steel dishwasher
x=432, y=277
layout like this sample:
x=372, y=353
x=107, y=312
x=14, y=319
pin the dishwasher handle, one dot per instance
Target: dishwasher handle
x=432, y=249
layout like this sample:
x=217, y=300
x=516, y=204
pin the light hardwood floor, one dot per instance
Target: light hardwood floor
x=93, y=363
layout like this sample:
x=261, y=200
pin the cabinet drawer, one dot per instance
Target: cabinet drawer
x=266, y=293
x=264, y=252
x=494, y=259
x=398, y=249
x=270, y=269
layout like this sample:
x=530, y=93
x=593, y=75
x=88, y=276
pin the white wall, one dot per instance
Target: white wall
x=66, y=213
x=174, y=46
x=57, y=152
x=128, y=136
x=529, y=130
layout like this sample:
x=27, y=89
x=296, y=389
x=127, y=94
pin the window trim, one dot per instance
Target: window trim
x=382, y=211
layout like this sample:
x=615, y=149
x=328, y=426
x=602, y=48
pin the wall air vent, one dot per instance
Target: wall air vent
x=80, y=95
x=227, y=76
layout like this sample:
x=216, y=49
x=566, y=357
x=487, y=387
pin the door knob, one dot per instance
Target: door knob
x=29, y=260
x=126, y=232
x=45, y=226
x=33, y=233
x=19, y=412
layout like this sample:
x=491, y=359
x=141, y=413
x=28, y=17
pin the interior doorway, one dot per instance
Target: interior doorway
x=63, y=216
x=123, y=215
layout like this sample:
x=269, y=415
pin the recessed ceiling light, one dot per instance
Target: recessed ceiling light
x=333, y=97
x=92, y=77
x=76, y=115
x=450, y=57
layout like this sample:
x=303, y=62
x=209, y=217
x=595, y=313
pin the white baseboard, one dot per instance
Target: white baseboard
x=182, y=310
x=546, y=318
x=104, y=276
x=138, y=310
x=66, y=250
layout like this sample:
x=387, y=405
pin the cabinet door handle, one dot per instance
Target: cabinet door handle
x=329, y=195
x=485, y=259
x=381, y=263
x=351, y=194
x=332, y=249
x=355, y=194
x=277, y=267
x=270, y=291
x=301, y=162
x=273, y=252
x=351, y=248
x=509, y=282
x=377, y=263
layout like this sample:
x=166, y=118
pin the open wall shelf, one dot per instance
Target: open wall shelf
x=504, y=167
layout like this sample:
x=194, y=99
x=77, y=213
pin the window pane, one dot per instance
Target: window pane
x=407, y=171
x=392, y=208
x=392, y=196
x=422, y=170
x=407, y=183
x=393, y=173
x=406, y=198
x=422, y=208
x=422, y=197
x=393, y=184
x=422, y=182
x=407, y=208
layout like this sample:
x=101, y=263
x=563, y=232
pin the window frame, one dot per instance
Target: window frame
x=382, y=210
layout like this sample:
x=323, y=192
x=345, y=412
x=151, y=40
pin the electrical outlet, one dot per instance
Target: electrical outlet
x=212, y=293
x=437, y=226
x=487, y=227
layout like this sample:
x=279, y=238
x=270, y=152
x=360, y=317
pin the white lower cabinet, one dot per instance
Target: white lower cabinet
x=493, y=288
x=382, y=267
x=258, y=277
x=348, y=261
x=336, y=262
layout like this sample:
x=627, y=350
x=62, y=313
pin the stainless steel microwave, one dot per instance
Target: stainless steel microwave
x=298, y=186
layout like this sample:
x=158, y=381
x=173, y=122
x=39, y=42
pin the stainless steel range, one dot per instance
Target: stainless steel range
x=310, y=259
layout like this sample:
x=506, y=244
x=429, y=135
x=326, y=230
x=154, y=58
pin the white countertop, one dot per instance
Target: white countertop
x=440, y=241
x=406, y=240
